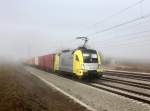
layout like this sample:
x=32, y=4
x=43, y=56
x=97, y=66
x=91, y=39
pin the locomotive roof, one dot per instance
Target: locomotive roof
x=84, y=49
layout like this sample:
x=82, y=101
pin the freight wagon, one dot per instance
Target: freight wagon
x=33, y=61
x=46, y=62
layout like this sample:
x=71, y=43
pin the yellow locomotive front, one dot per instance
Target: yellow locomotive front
x=87, y=62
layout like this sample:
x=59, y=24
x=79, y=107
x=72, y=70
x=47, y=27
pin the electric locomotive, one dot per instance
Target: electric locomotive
x=82, y=62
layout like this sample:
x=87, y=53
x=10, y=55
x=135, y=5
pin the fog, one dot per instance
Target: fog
x=35, y=27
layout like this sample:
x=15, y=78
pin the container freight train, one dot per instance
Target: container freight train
x=81, y=62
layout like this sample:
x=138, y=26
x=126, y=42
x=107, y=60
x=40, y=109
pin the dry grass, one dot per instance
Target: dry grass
x=130, y=67
x=20, y=91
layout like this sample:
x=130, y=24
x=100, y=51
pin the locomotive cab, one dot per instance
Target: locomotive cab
x=86, y=62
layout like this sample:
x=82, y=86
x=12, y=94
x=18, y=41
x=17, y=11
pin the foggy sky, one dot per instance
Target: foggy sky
x=35, y=27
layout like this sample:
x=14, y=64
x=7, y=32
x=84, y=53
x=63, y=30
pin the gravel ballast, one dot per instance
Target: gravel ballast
x=98, y=99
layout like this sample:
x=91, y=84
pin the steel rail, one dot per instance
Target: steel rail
x=130, y=95
x=129, y=75
x=135, y=84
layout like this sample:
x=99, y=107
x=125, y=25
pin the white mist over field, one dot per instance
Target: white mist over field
x=35, y=27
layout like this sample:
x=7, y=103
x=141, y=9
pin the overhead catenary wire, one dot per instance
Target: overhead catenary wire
x=135, y=36
x=136, y=40
x=119, y=12
x=142, y=17
x=115, y=14
x=128, y=35
x=119, y=25
x=111, y=35
x=128, y=44
x=132, y=41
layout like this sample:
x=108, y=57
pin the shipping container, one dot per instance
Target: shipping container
x=49, y=61
x=36, y=60
x=46, y=62
x=41, y=62
x=33, y=61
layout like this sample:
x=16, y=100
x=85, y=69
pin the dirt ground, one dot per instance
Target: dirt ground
x=129, y=67
x=21, y=91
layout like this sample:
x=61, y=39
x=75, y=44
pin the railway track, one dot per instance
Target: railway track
x=133, y=88
x=123, y=92
x=131, y=85
x=131, y=75
x=130, y=82
x=121, y=88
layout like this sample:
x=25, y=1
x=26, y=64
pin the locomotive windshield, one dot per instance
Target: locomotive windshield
x=90, y=56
